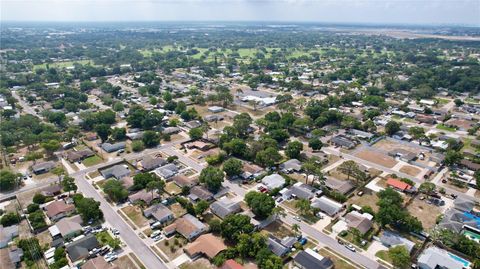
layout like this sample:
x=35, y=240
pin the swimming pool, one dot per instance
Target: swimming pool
x=473, y=236
x=466, y=264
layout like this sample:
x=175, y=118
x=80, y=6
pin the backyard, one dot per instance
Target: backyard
x=91, y=161
x=172, y=247
x=134, y=213
x=426, y=213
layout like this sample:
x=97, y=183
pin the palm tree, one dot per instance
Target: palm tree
x=296, y=229
x=278, y=212
x=304, y=206
x=58, y=171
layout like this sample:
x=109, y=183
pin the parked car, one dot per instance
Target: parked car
x=297, y=218
x=157, y=238
x=350, y=247
x=156, y=233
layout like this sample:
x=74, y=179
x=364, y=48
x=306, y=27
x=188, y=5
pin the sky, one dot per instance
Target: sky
x=419, y=12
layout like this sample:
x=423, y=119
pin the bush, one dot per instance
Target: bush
x=32, y=208
x=39, y=198
x=138, y=146
x=10, y=218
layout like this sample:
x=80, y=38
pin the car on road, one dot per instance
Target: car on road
x=297, y=218
x=350, y=247
x=115, y=231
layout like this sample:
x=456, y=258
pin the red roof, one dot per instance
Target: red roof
x=398, y=184
x=231, y=264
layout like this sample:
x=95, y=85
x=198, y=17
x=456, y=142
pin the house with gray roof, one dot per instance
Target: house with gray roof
x=309, y=259
x=391, y=239
x=143, y=195
x=225, y=207
x=167, y=171
x=299, y=190
x=361, y=134
x=149, y=163
x=198, y=193
x=340, y=186
x=15, y=254
x=44, y=167
x=290, y=166
x=435, y=258
x=160, y=212
x=7, y=234
x=108, y=147
x=342, y=141
x=78, y=250
x=464, y=205
x=171, y=130
x=193, y=124
x=118, y=171
x=327, y=206
x=280, y=247
x=273, y=181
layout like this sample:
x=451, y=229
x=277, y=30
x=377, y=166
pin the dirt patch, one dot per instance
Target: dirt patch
x=410, y=170
x=369, y=198
x=201, y=263
x=377, y=158
x=172, y=188
x=172, y=247
x=278, y=229
x=134, y=213
x=125, y=262
x=177, y=210
x=44, y=238
x=426, y=213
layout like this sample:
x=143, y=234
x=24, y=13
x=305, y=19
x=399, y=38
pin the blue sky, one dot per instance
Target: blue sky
x=458, y=12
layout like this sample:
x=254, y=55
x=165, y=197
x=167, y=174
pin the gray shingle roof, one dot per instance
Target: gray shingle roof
x=225, y=207
x=308, y=261
x=79, y=249
x=327, y=205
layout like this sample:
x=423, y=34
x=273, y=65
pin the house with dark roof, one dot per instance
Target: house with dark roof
x=51, y=190
x=108, y=147
x=143, y=195
x=78, y=249
x=280, y=247
x=251, y=170
x=200, y=193
x=402, y=154
x=159, y=212
x=362, y=222
x=79, y=155
x=470, y=165
x=340, y=186
x=309, y=259
x=193, y=124
x=166, y=172
x=342, y=141
x=67, y=227
x=16, y=255
x=7, y=234
x=41, y=168
x=149, y=163
x=225, y=207
x=118, y=171
x=58, y=209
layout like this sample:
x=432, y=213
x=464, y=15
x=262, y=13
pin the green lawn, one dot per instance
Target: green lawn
x=90, y=161
x=62, y=64
x=442, y=101
x=106, y=239
x=445, y=128
x=383, y=254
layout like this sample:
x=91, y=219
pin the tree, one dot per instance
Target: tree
x=416, y=132
x=293, y=149
x=315, y=143
x=212, y=177
x=233, y=167
x=9, y=219
x=68, y=184
x=200, y=207
x=236, y=147
x=235, y=225
x=349, y=168
x=39, y=198
x=392, y=127
x=268, y=157
x=453, y=157
x=296, y=229
x=119, y=133
x=155, y=185
x=141, y=180
x=9, y=180
x=427, y=188
x=195, y=133
x=150, y=139
x=88, y=208
x=304, y=206
x=103, y=131
x=241, y=123
x=399, y=256
x=138, y=146
x=458, y=102
x=31, y=249
x=260, y=203
x=477, y=178
x=115, y=190
x=50, y=146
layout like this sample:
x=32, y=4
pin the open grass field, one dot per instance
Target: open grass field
x=91, y=161
x=201, y=263
x=369, y=198
x=445, y=128
x=376, y=157
x=134, y=213
x=383, y=254
x=278, y=229
x=172, y=188
x=177, y=210
x=426, y=213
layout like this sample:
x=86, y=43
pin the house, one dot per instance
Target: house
x=342, y=141
x=98, y=263
x=79, y=155
x=171, y=130
x=193, y=124
x=340, y=186
x=159, y=212
x=207, y=244
x=280, y=247
x=149, y=163
x=184, y=181
x=200, y=145
x=470, y=165
x=118, y=171
x=200, y=193
x=225, y=207
x=113, y=147
x=463, y=205
x=456, y=220
x=434, y=258
x=460, y=124
x=231, y=264
x=361, y=134
x=15, y=254
x=362, y=222
x=67, y=228
x=211, y=118
x=51, y=190
x=216, y=109
x=58, y=209
x=167, y=171
x=78, y=249
x=327, y=205
x=144, y=196
x=402, y=154
x=41, y=168
x=426, y=119
x=7, y=234
x=134, y=135
x=273, y=181
x=299, y=190
x=251, y=171
x=391, y=239
x=292, y=165
x=399, y=185
x=188, y=226
x=309, y=259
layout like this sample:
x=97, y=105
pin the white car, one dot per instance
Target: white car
x=111, y=258
x=297, y=218
x=350, y=247
x=115, y=231
x=155, y=234
x=157, y=238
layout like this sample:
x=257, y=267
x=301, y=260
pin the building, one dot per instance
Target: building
x=184, y=181
x=399, y=185
x=340, y=186
x=362, y=222
x=309, y=259
x=193, y=124
x=290, y=166
x=280, y=247
x=470, y=165
x=188, y=226
x=167, y=171
x=231, y=264
x=198, y=193
x=113, y=147
x=79, y=155
x=67, y=228
x=327, y=206
x=149, y=163
x=98, y=263
x=143, y=195
x=79, y=249
x=342, y=141
x=273, y=181
x=41, y=168
x=299, y=190
x=118, y=171
x=16, y=255
x=216, y=109
x=251, y=171
x=207, y=244
x=159, y=212
x=58, y=209
x=361, y=134
x=225, y=207
x=7, y=234
x=391, y=239
x=434, y=258
x=402, y=154
x=51, y=190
